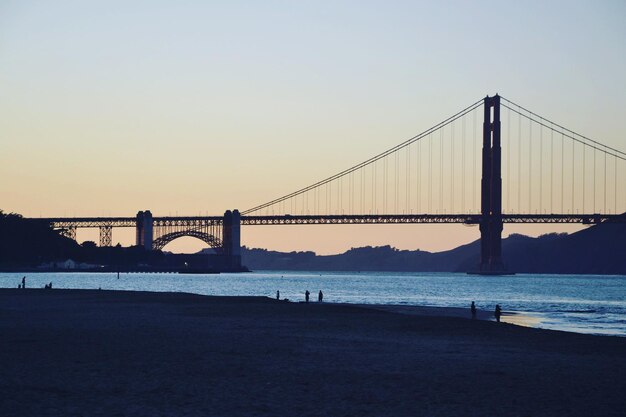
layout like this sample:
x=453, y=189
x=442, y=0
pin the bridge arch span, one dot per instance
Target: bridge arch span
x=207, y=238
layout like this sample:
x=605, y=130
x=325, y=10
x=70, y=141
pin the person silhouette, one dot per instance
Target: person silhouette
x=498, y=313
x=277, y=295
x=320, y=297
x=24, y=282
x=306, y=296
x=473, y=308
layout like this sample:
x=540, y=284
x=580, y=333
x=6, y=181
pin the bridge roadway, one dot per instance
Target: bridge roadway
x=287, y=219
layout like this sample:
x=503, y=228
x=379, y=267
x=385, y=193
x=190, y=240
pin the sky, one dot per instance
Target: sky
x=196, y=107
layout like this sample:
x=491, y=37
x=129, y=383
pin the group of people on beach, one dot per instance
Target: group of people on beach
x=307, y=294
x=497, y=313
x=23, y=284
x=320, y=296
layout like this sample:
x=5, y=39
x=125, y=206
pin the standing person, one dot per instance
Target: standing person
x=473, y=308
x=320, y=297
x=277, y=295
x=306, y=296
x=498, y=313
x=24, y=281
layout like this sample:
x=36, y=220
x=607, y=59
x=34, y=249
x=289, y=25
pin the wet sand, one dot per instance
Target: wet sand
x=84, y=352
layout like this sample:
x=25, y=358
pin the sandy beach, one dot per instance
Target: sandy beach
x=86, y=352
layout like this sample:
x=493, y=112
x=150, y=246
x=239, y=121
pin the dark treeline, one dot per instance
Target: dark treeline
x=597, y=249
x=30, y=243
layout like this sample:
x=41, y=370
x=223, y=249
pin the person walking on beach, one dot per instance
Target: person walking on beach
x=24, y=282
x=306, y=296
x=277, y=295
x=320, y=297
x=473, y=308
x=498, y=313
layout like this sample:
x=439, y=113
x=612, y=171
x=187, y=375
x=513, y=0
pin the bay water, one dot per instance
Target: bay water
x=593, y=304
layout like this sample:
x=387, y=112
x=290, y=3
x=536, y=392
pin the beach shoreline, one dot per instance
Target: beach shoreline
x=92, y=352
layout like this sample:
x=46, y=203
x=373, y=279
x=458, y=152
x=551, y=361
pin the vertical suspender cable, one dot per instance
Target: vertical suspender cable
x=508, y=160
x=408, y=178
x=340, y=196
x=551, y=167
x=540, y=165
x=474, y=146
x=562, y=170
x=374, y=173
x=362, y=187
x=615, y=186
x=418, y=167
x=418, y=176
x=463, y=165
x=452, y=167
x=430, y=173
x=594, y=180
x=395, y=184
x=519, y=162
x=584, y=169
x=604, y=204
x=573, y=173
x=441, y=170
x=530, y=168
x=385, y=176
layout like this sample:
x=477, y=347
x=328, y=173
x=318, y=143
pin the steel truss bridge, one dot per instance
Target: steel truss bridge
x=531, y=171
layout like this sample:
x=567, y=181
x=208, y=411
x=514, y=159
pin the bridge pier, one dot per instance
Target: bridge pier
x=144, y=230
x=491, y=192
x=231, y=239
x=106, y=235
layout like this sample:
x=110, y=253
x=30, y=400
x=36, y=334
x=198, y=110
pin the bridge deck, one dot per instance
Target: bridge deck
x=287, y=219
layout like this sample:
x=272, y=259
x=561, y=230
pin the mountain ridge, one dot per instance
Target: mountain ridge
x=598, y=249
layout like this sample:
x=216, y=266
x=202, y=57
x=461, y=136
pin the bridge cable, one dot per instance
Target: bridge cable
x=474, y=146
x=599, y=146
x=452, y=145
x=370, y=160
x=463, y=166
x=440, y=208
x=563, y=128
x=508, y=161
x=562, y=171
x=551, y=194
x=519, y=163
x=430, y=173
x=530, y=167
x=540, y=170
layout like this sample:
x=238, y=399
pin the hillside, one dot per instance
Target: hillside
x=598, y=249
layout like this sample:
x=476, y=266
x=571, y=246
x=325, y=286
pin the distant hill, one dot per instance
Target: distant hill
x=598, y=249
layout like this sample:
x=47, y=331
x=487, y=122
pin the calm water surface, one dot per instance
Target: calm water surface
x=581, y=303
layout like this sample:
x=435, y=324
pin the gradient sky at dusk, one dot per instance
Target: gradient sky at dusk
x=194, y=107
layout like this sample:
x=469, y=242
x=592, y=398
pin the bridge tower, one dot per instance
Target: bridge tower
x=231, y=238
x=491, y=192
x=144, y=230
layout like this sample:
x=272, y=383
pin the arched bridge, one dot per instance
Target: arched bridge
x=214, y=242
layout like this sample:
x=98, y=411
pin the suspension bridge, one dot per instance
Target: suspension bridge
x=494, y=162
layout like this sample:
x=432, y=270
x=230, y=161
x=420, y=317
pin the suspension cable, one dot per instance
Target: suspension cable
x=563, y=128
x=372, y=159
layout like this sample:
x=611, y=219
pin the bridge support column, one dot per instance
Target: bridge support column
x=144, y=230
x=106, y=235
x=231, y=239
x=491, y=192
